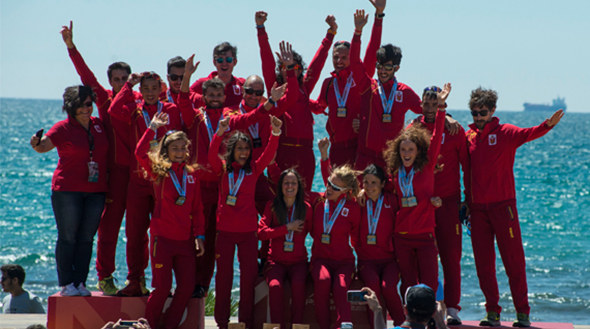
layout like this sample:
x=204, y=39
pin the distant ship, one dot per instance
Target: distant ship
x=558, y=103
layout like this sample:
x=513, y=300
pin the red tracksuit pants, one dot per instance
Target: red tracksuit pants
x=300, y=158
x=501, y=223
x=275, y=274
x=110, y=222
x=417, y=259
x=382, y=277
x=206, y=263
x=168, y=255
x=140, y=204
x=343, y=152
x=449, y=237
x=225, y=248
x=335, y=277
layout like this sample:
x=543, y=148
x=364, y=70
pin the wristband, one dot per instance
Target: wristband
x=358, y=32
x=442, y=106
x=260, y=26
x=271, y=101
x=380, y=16
x=290, y=67
x=332, y=31
x=277, y=134
x=202, y=237
x=323, y=160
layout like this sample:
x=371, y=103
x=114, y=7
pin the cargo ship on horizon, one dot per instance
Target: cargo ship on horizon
x=558, y=103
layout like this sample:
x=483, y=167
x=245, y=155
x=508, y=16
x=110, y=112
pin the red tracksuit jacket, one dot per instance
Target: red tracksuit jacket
x=420, y=219
x=242, y=217
x=233, y=90
x=383, y=250
x=270, y=229
x=491, y=154
x=117, y=130
x=132, y=114
x=169, y=219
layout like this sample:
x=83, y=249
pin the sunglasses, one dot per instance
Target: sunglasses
x=227, y=59
x=251, y=91
x=336, y=187
x=339, y=43
x=174, y=77
x=87, y=104
x=433, y=88
x=168, y=133
x=387, y=67
x=296, y=67
x=483, y=113
x=150, y=75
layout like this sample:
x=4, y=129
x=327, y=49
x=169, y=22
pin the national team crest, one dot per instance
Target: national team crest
x=443, y=139
x=190, y=179
x=345, y=212
x=237, y=90
x=399, y=96
x=492, y=139
x=97, y=127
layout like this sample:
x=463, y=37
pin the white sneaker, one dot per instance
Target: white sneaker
x=83, y=291
x=69, y=291
x=453, y=316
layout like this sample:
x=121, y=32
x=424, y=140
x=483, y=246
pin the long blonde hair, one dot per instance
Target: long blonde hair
x=348, y=177
x=159, y=160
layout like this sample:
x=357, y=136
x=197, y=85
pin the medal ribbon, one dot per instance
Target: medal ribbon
x=329, y=221
x=341, y=100
x=374, y=220
x=148, y=120
x=405, y=181
x=234, y=187
x=252, y=128
x=387, y=102
x=289, y=236
x=181, y=190
x=209, y=125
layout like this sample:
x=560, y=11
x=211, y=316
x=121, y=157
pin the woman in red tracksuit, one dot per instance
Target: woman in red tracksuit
x=177, y=226
x=336, y=219
x=412, y=158
x=286, y=221
x=237, y=218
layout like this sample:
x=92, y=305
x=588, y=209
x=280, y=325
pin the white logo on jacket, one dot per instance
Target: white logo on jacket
x=345, y=212
x=492, y=139
x=190, y=179
x=97, y=128
x=399, y=96
x=237, y=90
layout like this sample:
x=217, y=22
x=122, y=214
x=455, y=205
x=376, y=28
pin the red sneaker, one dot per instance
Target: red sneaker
x=133, y=289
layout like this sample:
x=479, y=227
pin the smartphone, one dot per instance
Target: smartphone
x=127, y=323
x=39, y=134
x=356, y=296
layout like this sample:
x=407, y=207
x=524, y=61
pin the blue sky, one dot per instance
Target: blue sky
x=527, y=50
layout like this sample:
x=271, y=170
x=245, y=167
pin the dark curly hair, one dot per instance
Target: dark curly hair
x=231, y=146
x=298, y=60
x=419, y=136
x=74, y=98
x=481, y=97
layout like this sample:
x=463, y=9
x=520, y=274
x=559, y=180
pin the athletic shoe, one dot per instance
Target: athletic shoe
x=83, y=291
x=492, y=319
x=199, y=291
x=133, y=289
x=453, y=316
x=522, y=321
x=107, y=286
x=69, y=291
x=144, y=290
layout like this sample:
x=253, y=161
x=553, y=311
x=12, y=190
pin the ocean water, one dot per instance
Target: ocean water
x=553, y=192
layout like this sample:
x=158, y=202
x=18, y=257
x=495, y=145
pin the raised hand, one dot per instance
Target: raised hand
x=68, y=35
x=200, y=246
x=276, y=124
x=261, y=17
x=223, y=126
x=555, y=118
x=296, y=225
x=442, y=95
x=277, y=92
x=190, y=66
x=134, y=78
x=360, y=19
x=159, y=120
x=323, y=145
x=379, y=5
x=331, y=20
x=286, y=55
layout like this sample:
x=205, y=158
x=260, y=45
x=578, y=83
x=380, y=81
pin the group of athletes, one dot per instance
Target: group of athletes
x=187, y=162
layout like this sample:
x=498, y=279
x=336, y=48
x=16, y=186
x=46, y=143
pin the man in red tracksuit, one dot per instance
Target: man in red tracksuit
x=225, y=57
x=175, y=67
x=296, y=144
x=342, y=94
x=492, y=202
x=117, y=160
x=140, y=198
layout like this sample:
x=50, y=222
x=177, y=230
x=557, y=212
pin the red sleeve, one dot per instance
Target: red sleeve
x=197, y=216
x=266, y=157
x=187, y=109
x=214, y=160
x=243, y=121
x=322, y=101
x=414, y=100
x=290, y=97
x=525, y=135
x=326, y=167
x=317, y=63
x=357, y=67
x=56, y=135
x=373, y=46
x=141, y=152
x=463, y=154
x=197, y=86
x=119, y=109
x=88, y=79
x=389, y=185
x=308, y=218
x=435, y=140
x=315, y=107
x=267, y=58
x=265, y=229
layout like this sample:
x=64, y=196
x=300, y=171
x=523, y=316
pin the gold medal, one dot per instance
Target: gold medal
x=405, y=202
x=372, y=239
x=288, y=246
x=180, y=201
x=386, y=118
x=153, y=143
x=412, y=201
x=341, y=112
x=231, y=200
x=326, y=238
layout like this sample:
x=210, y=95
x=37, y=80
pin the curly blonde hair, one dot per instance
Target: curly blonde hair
x=348, y=177
x=416, y=134
x=159, y=160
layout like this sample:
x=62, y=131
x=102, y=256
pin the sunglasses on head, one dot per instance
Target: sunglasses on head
x=150, y=75
x=335, y=187
x=251, y=91
x=433, y=88
x=387, y=67
x=483, y=113
x=339, y=43
x=296, y=67
x=168, y=133
x=174, y=77
x=227, y=59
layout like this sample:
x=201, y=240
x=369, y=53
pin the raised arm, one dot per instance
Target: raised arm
x=185, y=104
x=266, y=56
x=362, y=79
x=271, y=148
x=283, y=103
x=525, y=135
x=118, y=108
x=375, y=41
x=143, y=146
x=314, y=70
x=439, y=123
x=325, y=164
x=214, y=160
x=252, y=117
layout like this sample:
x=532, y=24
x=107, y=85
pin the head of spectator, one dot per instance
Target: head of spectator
x=150, y=87
x=253, y=90
x=389, y=58
x=340, y=55
x=36, y=326
x=225, y=58
x=118, y=74
x=78, y=103
x=342, y=183
x=175, y=73
x=374, y=180
x=420, y=304
x=430, y=103
x=214, y=93
x=482, y=105
x=13, y=277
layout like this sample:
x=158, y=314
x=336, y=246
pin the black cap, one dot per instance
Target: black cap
x=420, y=299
